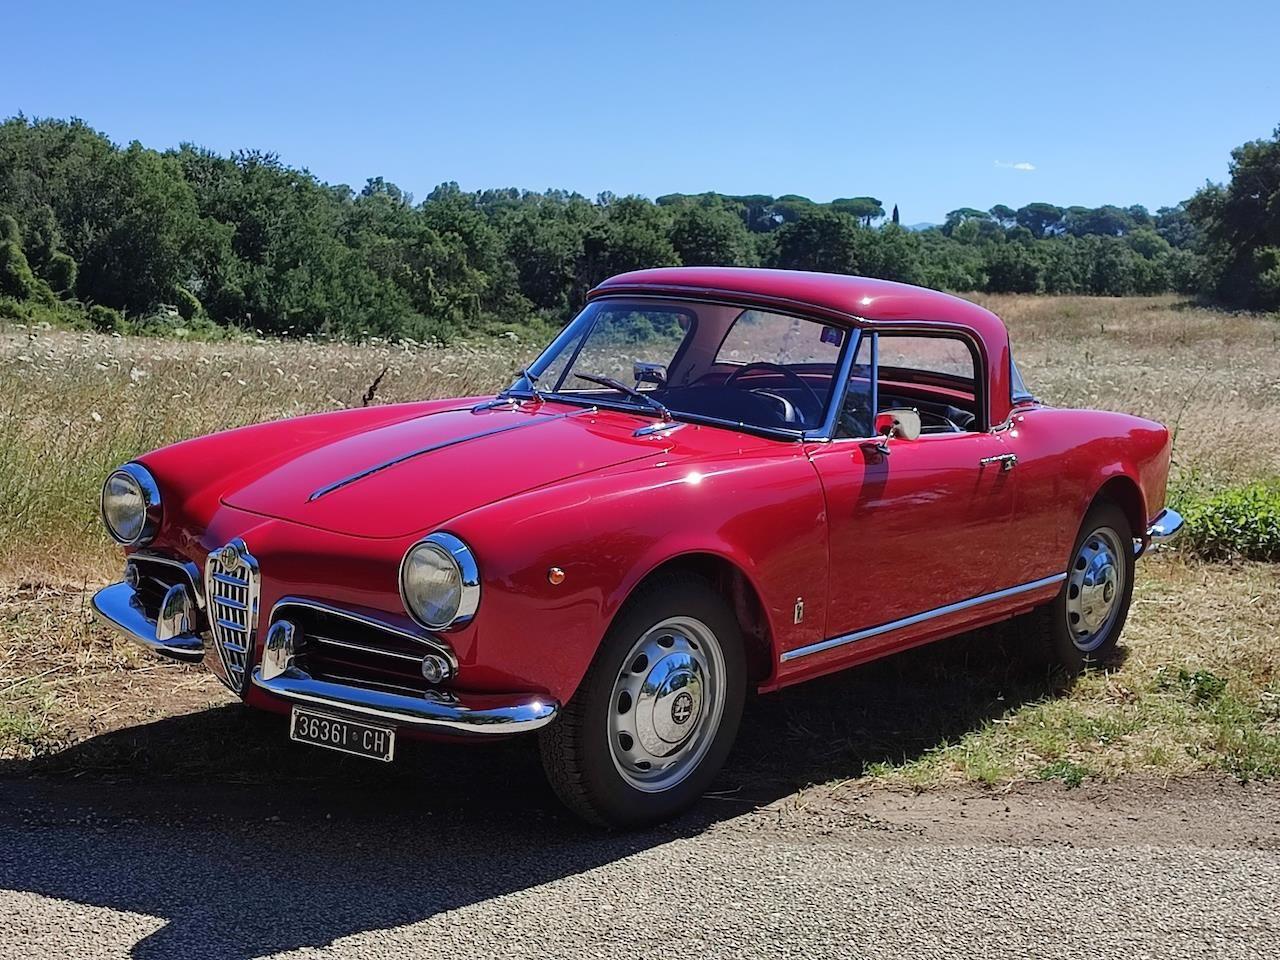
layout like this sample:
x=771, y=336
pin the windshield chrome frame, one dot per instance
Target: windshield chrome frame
x=823, y=432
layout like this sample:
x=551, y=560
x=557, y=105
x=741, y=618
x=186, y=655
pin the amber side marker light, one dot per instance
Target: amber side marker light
x=555, y=576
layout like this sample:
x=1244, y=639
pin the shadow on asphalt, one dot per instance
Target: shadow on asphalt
x=246, y=844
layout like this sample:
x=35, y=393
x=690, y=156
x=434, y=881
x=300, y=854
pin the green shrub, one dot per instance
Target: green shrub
x=1239, y=523
x=16, y=278
x=9, y=229
x=61, y=273
x=186, y=302
x=104, y=319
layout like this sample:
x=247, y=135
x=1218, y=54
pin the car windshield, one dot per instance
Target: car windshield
x=701, y=361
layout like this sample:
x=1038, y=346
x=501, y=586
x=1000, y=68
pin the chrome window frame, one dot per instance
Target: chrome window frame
x=853, y=326
x=926, y=328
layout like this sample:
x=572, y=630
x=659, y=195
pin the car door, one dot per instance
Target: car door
x=927, y=525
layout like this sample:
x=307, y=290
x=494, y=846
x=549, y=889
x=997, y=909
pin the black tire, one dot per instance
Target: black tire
x=1067, y=648
x=577, y=753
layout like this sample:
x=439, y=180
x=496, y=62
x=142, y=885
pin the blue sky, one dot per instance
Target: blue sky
x=928, y=105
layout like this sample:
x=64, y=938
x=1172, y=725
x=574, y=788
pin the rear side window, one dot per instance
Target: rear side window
x=943, y=355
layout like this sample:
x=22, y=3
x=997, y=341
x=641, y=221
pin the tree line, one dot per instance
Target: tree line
x=133, y=238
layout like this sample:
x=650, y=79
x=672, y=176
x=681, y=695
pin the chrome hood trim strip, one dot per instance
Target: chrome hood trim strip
x=534, y=420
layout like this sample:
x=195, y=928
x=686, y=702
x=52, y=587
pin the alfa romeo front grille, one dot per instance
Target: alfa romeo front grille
x=231, y=586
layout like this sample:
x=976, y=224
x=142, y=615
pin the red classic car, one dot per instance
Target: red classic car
x=713, y=480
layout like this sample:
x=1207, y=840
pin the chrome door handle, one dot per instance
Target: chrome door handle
x=1007, y=461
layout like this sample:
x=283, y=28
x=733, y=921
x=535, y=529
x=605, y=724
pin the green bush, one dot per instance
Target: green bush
x=9, y=229
x=104, y=319
x=61, y=273
x=186, y=302
x=1239, y=523
x=16, y=278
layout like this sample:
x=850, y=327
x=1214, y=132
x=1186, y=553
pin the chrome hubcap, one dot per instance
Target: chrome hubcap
x=667, y=702
x=1094, y=587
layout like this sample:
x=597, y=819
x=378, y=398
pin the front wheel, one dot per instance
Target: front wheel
x=656, y=714
x=1085, y=620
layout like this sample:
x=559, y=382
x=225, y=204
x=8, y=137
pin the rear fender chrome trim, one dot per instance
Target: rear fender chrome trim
x=830, y=644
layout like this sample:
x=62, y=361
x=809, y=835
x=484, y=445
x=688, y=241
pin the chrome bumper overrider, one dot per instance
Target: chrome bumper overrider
x=499, y=714
x=118, y=606
x=1166, y=527
x=443, y=712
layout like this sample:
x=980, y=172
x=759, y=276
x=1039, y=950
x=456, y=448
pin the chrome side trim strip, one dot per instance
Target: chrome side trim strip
x=431, y=448
x=830, y=644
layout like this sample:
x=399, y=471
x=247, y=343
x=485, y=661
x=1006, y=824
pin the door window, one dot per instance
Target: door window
x=935, y=375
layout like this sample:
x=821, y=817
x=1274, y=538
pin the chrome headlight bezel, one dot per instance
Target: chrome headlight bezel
x=458, y=556
x=148, y=492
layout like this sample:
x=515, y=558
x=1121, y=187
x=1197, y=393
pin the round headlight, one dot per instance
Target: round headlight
x=440, y=582
x=131, y=505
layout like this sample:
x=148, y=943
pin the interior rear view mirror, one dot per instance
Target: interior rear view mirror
x=649, y=373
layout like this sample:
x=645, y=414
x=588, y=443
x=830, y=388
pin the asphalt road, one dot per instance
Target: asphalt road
x=163, y=870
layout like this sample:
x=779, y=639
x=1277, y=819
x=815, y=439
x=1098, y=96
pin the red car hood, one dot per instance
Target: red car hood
x=397, y=479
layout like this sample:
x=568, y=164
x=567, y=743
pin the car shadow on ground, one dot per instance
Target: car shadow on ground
x=245, y=844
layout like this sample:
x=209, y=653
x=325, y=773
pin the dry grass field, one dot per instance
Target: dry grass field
x=1196, y=687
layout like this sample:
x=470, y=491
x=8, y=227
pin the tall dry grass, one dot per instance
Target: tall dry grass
x=72, y=406
x=1213, y=377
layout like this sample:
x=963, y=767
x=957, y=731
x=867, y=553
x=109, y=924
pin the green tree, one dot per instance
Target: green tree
x=1041, y=219
x=707, y=234
x=821, y=240
x=863, y=209
x=61, y=273
x=16, y=278
x=1241, y=226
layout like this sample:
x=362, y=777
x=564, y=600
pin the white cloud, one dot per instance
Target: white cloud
x=1022, y=165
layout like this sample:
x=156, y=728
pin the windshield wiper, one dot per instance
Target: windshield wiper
x=506, y=395
x=632, y=392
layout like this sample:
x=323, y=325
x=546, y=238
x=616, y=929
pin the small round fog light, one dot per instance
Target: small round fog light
x=435, y=669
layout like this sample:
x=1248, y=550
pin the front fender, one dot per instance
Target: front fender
x=764, y=513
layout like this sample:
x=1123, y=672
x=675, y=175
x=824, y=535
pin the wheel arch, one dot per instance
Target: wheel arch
x=742, y=595
x=1124, y=492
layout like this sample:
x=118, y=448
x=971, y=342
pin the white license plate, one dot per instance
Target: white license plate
x=343, y=734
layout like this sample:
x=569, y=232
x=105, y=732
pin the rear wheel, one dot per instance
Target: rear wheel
x=657, y=712
x=1085, y=620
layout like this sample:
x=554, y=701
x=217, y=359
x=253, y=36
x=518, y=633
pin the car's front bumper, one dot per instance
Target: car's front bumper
x=436, y=712
x=441, y=712
x=1166, y=527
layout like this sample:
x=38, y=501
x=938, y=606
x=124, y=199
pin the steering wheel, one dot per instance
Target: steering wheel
x=787, y=374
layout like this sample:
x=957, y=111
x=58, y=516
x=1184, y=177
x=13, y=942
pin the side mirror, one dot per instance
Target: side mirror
x=900, y=422
x=649, y=373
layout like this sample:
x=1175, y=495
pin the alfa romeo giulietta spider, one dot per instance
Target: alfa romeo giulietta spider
x=713, y=481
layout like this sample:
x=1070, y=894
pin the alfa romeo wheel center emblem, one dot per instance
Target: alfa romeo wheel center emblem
x=682, y=708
